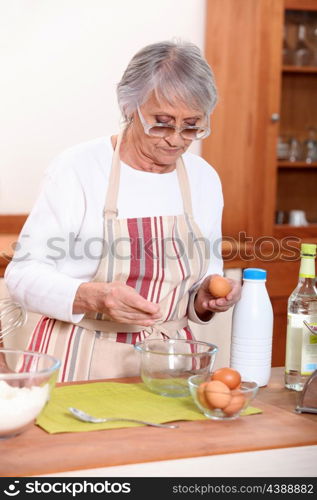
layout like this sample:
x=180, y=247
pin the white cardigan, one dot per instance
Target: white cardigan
x=60, y=241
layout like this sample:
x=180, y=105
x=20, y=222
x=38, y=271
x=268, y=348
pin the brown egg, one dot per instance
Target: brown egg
x=228, y=376
x=236, y=403
x=201, y=394
x=217, y=394
x=219, y=286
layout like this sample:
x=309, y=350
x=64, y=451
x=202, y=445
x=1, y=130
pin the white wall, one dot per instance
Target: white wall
x=60, y=61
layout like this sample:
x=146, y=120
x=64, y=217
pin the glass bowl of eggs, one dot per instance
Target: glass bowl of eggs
x=26, y=382
x=223, y=396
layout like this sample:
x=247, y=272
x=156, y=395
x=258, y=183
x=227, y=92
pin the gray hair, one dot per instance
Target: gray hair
x=174, y=71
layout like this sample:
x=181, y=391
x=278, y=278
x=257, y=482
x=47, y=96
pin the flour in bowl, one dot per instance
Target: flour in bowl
x=19, y=406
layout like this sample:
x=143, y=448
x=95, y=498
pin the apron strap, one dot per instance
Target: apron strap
x=167, y=327
x=111, y=210
x=184, y=186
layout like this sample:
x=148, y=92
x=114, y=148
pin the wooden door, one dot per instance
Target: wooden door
x=243, y=47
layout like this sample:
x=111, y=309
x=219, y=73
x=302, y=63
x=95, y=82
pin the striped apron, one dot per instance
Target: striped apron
x=162, y=257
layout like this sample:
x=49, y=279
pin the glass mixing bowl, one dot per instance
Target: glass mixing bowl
x=166, y=364
x=26, y=381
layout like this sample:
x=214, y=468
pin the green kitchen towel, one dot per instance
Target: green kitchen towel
x=113, y=399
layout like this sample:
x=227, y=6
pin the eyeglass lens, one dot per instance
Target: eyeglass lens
x=186, y=133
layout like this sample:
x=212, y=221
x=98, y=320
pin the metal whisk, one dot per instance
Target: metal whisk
x=12, y=316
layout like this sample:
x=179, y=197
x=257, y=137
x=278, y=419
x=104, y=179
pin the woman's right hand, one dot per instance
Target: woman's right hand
x=119, y=302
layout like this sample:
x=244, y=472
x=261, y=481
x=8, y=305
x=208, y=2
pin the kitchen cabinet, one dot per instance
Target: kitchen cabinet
x=260, y=100
x=297, y=179
x=243, y=46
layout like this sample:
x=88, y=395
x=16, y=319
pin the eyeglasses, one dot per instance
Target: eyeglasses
x=189, y=132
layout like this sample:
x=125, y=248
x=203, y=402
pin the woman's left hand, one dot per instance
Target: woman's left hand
x=205, y=303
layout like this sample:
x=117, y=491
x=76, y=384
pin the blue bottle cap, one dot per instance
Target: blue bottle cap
x=253, y=273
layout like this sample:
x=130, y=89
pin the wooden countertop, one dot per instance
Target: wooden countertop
x=38, y=453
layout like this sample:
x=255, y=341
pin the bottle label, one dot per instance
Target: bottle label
x=301, y=345
x=307, y=267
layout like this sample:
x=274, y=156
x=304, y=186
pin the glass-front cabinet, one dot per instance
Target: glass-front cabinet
x=263, y=139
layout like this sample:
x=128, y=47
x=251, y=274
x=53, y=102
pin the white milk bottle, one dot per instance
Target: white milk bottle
x=252, y=329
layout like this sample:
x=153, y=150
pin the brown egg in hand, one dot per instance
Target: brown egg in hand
x=228, y=376
x=219, y=287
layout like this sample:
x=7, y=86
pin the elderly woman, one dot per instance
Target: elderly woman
x=126, y=232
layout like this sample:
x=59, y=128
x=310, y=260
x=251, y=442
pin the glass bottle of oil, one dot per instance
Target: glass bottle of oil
x=301, y=344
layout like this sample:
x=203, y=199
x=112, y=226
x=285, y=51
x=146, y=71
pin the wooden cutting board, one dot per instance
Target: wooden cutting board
x=37, y=453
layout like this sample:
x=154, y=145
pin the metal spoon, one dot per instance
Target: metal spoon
x=85, y=417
